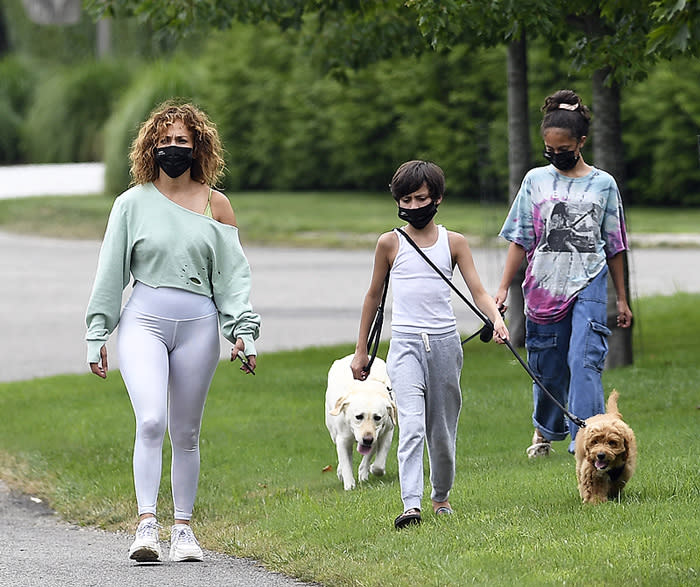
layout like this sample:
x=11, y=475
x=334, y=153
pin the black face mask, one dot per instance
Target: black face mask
x=418, y=217
x=174, y=160
x=563, y=161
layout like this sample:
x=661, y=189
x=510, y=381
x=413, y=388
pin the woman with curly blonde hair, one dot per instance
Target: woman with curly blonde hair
x=207, y=160
x=177, y=237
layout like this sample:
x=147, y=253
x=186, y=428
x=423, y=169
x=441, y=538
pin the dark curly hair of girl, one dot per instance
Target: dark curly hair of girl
x=564, y=109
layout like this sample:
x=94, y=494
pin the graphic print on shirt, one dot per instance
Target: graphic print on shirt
x=566, y=247
x=566, y=230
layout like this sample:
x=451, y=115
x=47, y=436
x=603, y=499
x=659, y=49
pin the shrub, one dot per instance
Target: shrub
x=16, y=89
x=65, y=121
x=287, y=126
x=661, y=122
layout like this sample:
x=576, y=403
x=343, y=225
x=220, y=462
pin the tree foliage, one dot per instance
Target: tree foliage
x=676, y=27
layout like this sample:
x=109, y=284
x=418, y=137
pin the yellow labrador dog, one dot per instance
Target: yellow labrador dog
x=362, y=413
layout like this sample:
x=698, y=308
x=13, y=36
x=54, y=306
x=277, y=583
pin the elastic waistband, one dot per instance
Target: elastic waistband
x=169, y=303
x=420, y=335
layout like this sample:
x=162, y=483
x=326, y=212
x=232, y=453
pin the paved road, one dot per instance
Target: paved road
x=306, y=298
x=40, y=550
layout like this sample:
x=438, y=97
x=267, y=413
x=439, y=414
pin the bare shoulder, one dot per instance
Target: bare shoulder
x=459, y=247
x=457, y=240
x=386, y=238
x=221, y=209
x=387, y=247
x=387, y=242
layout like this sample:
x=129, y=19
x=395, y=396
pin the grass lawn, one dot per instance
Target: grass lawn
x=264, y=493
x=334, y=219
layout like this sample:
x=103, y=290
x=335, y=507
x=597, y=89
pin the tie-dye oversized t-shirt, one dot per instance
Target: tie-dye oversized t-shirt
x=567, y=226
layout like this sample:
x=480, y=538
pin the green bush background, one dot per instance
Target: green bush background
x=288, y=126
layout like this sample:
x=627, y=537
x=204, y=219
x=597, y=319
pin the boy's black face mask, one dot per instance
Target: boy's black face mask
x=418, y=217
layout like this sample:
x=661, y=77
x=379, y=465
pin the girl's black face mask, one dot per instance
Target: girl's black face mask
x=174, y=160
x=418, y=217
x=563, y=161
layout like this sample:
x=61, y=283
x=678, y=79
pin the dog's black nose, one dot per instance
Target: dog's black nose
x=367, y=440
x=601, y=456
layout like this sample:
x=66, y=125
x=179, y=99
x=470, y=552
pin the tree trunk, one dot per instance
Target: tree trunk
x=608, y=155
x=519, y=161
x=4, y=38
x=103, y=45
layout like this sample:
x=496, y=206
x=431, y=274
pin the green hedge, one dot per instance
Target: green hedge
x=17, y=79
x=65, y=121
x=661, y=127
x=287, y=126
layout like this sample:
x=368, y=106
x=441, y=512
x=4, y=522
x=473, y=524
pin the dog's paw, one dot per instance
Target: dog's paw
x=349, y=485
x=363, y=475
x=376, y=470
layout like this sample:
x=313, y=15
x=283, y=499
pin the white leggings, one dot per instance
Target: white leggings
x=168, y=350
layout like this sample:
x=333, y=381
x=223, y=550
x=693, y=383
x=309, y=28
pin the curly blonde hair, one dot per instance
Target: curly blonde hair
x=207, y=154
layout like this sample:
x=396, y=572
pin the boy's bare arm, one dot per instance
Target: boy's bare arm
x=383, y=256
x=463, y=258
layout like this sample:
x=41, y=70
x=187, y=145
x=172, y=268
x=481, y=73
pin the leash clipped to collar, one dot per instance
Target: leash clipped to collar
x=375, y=334
x=487, y=330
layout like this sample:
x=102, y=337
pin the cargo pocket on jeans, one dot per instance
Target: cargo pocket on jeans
x=537, y=346
x=596, y=346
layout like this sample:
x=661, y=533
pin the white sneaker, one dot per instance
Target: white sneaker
x=183, y=544
x=146, y=546
x=540, y=447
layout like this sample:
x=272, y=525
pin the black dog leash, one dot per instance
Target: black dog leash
x=487, y=332
x=373, y=339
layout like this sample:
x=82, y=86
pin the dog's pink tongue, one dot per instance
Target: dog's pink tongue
x=600, y=465
x=363, y=449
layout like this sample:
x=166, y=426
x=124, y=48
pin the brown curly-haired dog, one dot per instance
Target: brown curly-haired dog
x=606, y=454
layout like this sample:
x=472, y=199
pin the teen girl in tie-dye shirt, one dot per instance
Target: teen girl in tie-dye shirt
x=567, y=220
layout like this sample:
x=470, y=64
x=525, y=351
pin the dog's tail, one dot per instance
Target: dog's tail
x=611, y=406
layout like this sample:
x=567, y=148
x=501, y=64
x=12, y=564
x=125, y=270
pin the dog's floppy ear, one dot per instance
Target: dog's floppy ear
x=391, y=409
x=339, y=405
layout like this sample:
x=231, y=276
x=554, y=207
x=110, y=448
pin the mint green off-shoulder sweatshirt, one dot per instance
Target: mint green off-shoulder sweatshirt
x=162, y=244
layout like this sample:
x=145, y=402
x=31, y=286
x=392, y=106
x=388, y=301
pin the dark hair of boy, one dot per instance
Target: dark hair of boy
x=411, y=176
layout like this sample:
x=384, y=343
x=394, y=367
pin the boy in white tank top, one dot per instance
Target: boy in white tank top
x=425, y=353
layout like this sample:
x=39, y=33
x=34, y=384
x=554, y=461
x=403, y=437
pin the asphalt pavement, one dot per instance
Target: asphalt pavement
x=305, y=297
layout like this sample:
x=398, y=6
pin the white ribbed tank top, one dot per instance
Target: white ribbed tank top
x=421, y=298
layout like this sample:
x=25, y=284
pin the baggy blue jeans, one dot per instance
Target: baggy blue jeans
x=568, y=357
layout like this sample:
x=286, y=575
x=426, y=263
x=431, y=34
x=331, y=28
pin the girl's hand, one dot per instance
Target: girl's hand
x=624, y=315
x=500, y=298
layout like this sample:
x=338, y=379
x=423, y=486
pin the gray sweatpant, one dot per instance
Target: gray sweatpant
x=424, y=371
